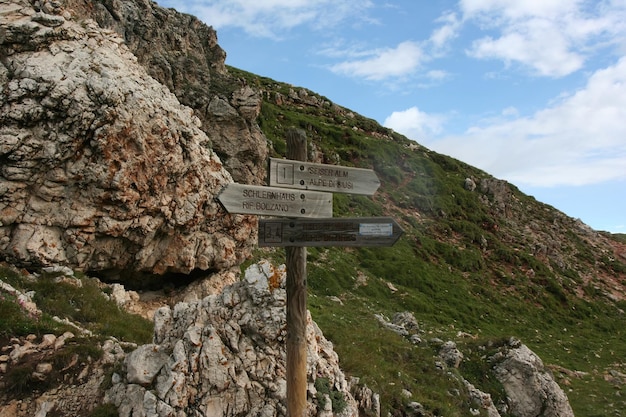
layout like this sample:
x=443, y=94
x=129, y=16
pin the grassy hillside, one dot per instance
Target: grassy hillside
x=489, y=262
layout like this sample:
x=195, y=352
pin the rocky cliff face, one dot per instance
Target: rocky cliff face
x=225, y=356
x=102, y=168
x=182, y=53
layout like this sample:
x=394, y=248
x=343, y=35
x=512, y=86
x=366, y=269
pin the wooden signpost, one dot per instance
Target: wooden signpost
x=268, y=201
x=301, y=192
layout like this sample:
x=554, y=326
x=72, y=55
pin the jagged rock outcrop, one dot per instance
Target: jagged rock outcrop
x=225, y=356
x=530, y=387
x=182, y=53
x=101, y=167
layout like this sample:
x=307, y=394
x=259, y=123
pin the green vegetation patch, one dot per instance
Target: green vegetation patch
x=81, y=300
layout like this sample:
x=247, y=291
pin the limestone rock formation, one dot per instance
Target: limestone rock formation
x=101, y=167
x=182, y=53
x=225, y=356
x=530, y=388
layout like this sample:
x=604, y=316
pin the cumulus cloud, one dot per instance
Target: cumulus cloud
x=403, y=61
x=549, y=37
x=415, y=123
x=578, y=140
x=385, y=63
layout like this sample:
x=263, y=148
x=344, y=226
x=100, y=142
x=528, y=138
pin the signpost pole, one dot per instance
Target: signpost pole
x=296, y=303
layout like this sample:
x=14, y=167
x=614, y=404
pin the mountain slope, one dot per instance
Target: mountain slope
x=478, y=257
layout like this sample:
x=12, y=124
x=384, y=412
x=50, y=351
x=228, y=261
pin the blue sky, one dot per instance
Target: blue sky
x=533, y=91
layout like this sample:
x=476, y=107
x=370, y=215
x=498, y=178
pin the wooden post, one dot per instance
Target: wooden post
x=296, y=303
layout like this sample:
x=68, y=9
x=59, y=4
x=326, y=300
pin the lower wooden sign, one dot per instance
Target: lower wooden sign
x=357, y=232
x=272, y=201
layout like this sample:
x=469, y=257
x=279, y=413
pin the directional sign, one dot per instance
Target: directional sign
x=360, y=231
x=271, y=201
x=322, y=177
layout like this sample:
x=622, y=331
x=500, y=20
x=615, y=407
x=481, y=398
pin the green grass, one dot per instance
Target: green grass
x=105, y=410
x=15, y=321
x=582, y=336
x=84, y=305
x=88, y=306
x=384, y=361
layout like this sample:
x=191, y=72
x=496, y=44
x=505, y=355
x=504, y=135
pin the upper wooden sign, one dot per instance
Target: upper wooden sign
x=271, y=201
x=322, y=177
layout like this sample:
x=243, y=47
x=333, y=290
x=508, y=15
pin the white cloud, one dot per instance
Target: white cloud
x=400, y=62
x=510, y=112
x=581, y=139
x=520, y=9
x=415, y=123
x=550, y=37
x=381, y=64
x=437, y=75
x=272, y=18
x=443, y=35
x=528, y=46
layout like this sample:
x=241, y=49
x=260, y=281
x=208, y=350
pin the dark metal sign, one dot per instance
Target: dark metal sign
x=356, y=232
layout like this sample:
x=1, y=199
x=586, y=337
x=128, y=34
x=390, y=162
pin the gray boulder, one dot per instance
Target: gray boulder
x=530, y=387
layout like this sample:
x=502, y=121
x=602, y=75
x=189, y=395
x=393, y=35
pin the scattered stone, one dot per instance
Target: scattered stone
x=391, y=326
x=144, y=363
x=47, y=341
x=416, y=409
x=60, y=341
x=335, y=299
x=42, y=370
x=481, y=400
x=58, y=269
x=407, y=320
x=450, y=354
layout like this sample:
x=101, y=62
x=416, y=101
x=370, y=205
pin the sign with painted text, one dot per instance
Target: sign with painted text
x=271, y=201
x=322, y=177
x=355, y=232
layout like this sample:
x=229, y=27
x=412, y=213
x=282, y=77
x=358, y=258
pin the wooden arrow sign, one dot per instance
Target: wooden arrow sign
x=322, y=177
x=360, y=231
x=271, y=201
